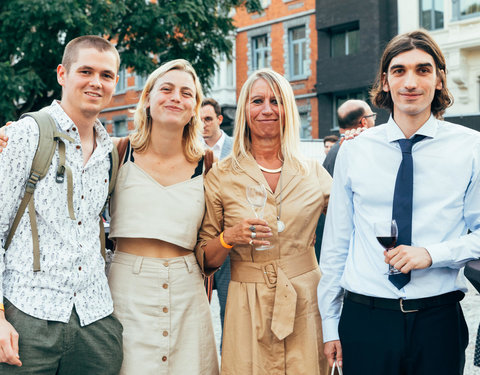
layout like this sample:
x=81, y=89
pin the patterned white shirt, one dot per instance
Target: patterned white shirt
x=72, y=268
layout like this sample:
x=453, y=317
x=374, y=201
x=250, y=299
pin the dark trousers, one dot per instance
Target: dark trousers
x=55, y=348
x=380, y=342
x=221, y=281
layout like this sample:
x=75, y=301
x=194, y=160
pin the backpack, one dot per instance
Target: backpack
x=49, y=138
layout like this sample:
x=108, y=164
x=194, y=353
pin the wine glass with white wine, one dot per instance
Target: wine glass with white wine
x=257, y=197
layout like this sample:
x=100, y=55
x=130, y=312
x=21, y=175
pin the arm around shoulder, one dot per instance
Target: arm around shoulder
x=212, y=224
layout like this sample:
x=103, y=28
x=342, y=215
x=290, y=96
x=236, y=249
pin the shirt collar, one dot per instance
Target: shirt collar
x=219, y=144
x=221, y=140
x=66, y=124
x=63, y=121
x=429, y=129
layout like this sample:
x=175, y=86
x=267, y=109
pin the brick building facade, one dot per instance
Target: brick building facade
x=283, y=37
x=118, y=117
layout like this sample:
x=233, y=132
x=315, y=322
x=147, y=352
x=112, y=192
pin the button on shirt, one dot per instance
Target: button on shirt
x=72, y=268
x=446, y=204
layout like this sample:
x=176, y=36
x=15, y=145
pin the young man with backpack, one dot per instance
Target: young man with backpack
x=55, y=304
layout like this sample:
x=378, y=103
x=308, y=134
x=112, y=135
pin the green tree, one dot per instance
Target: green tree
x=33, y=34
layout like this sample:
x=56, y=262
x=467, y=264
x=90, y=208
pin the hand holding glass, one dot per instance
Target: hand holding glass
x=387, y=233
x=257, y=197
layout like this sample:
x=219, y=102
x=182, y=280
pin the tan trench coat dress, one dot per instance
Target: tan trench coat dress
x=272, y=322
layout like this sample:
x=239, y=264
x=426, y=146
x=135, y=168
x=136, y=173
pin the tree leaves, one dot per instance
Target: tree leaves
x=33, y=35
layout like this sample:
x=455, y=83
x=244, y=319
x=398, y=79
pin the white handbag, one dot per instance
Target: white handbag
x=339, y=369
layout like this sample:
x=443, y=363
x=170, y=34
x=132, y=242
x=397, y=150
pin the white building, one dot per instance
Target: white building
x=455, y=25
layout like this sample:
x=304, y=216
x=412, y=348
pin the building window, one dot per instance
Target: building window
x=305, y=126
x=264, y=3
x=120, y=127
x=140, y=81
x=344, y=42
x=230, y=74
x=431, y=14
x=260, y=52
x=469, y=7
x=297, y=43
x=122, y=81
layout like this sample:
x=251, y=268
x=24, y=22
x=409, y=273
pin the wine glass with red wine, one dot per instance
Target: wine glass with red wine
x=387, y=233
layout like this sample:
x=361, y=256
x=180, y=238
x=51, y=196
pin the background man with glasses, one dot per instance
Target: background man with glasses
x=352, y=114
x=221, y=144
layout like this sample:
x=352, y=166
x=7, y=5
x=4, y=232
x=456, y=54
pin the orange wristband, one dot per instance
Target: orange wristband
x=2, y=308
x=224, y=244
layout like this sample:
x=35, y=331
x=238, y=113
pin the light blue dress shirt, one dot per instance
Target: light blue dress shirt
x=446, y=204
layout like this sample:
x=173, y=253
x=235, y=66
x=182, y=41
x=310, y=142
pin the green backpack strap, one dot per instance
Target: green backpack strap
x=116, y=158
x=47, y=142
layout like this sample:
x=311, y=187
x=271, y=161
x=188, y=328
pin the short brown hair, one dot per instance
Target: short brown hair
x=330, y=138
x=418, y=39
x=87, y=41
x=214, y=104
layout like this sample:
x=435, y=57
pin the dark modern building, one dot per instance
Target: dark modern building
x=351, y=37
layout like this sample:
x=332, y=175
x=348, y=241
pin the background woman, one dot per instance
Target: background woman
x=272, y=323
x=156, y=211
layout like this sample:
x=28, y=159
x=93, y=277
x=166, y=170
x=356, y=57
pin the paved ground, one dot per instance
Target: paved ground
x=471, y=309
x=215, y=309
x=470, y=306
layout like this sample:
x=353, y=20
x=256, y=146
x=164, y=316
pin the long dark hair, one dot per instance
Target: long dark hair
x=418, y=39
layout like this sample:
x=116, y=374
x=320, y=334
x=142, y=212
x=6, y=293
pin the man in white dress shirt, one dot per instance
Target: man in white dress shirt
x=411, y=322
x=214, y=137
x=221, y=144
x=58, y=319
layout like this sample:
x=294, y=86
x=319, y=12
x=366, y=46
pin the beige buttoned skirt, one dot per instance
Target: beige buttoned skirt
x=162, y=305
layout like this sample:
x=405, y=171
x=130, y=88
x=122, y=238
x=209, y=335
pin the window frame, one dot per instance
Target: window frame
x=345, y=31
x=122, y=83
x=123, y=119
x=256, y=51
x=303, y=50
x=432, y=16
x=456, y=9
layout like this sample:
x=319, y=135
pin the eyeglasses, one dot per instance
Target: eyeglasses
x=207, y=120
x=374, y=115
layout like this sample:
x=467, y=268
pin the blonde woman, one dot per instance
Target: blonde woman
x=272, y=323
x=157, y=209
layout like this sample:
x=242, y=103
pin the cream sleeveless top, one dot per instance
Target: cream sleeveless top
x=143, y=208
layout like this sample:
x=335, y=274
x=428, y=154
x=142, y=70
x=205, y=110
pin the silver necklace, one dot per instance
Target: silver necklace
x=266, y=170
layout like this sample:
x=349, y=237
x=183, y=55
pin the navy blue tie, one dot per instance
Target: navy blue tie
x=402, y=202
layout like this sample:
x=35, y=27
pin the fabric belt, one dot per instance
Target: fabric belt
x=277, y=274
x=406, y=305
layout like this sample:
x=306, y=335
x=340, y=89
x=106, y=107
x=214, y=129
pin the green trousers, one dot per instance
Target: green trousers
x=49, y=347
